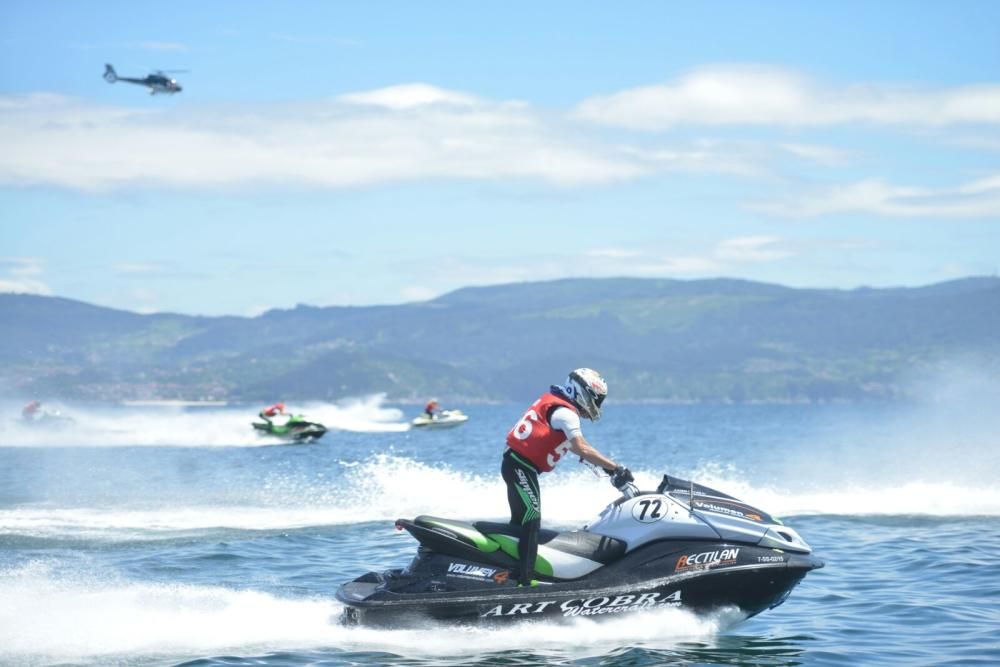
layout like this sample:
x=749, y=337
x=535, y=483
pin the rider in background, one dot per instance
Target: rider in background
x=432, y=408
x=273, y=411
x=31, y=410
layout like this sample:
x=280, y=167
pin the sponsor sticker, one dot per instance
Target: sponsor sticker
x=724, y=509
x=467, y=570
x=595, y=606
x=704, y=560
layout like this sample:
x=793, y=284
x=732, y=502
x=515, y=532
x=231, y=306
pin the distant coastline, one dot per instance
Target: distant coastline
x=718, y=341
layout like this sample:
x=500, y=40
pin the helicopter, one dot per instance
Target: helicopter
x=157, y=82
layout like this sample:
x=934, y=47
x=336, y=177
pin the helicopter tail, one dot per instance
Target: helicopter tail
x=109, y=73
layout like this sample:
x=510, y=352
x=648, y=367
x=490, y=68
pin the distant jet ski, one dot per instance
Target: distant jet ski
x=683, y=545
x=50, y=419
x=297, y=428
x=443, y=419
x=33, y=413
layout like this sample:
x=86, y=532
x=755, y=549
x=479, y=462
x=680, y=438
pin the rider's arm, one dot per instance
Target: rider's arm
x=579, y=446
x=568, y=422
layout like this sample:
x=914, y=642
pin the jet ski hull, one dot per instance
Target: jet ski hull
x=301, y=432
x=746, y=578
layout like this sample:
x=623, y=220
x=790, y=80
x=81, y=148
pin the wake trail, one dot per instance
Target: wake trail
x=85, y=617
x=199, y=427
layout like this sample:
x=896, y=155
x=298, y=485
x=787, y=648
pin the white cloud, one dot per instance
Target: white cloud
x=748, y=95
x=417, y=293
x=979, y=198
x=23, y=276
x=674, y=266
x=725, y=255
x=414, y=133
x=23, y=267
x=825, y=155
x=11, y=286
x=977, y=142
x=420, y=132
x=751, y=249
x=409, y=96
x=736, y=158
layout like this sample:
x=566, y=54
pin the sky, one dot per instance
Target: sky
x=357, y=153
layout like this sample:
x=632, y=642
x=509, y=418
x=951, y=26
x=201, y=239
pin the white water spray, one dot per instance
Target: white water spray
x=383, y=488
x=49, y=618
x=175, y=426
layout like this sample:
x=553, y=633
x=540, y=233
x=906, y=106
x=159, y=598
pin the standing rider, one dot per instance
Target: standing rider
x=547, y=431
x=431, y=409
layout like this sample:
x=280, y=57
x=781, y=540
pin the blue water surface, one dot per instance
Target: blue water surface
x=179, y=537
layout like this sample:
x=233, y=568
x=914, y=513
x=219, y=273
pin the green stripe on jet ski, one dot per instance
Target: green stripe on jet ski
x=482, y=542
x=509, y=546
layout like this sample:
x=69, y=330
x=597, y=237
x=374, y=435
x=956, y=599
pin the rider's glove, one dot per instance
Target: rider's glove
x=621, y=476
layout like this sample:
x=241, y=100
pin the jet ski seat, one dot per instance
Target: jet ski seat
x=580, y=543
x=561, y=556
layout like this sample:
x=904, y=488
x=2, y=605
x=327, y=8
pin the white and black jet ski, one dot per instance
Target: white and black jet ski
x=443, y=419
x=682, y=545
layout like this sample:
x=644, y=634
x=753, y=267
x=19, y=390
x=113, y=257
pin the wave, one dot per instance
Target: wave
x=51, y=618
x=198, y=427
x=939, y=498
x=384, y=487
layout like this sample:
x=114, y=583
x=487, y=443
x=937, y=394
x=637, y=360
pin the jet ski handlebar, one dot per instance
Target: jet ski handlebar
x=629, y=490
x=622, y=479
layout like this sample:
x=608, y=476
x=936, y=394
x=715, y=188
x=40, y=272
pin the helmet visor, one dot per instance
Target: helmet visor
x=588, y=398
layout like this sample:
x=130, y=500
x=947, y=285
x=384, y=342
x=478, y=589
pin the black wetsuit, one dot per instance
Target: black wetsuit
x=525, y=502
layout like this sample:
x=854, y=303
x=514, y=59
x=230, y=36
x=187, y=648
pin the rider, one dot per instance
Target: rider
x=549, y=429
x=31, y=410
x=273, y=411
x=431, y=409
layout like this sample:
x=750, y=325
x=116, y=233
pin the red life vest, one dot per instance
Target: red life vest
x=534, y=438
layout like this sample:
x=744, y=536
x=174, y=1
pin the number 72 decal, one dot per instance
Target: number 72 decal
x=648, y=510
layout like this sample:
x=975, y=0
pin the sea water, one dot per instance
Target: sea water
x=179, y=536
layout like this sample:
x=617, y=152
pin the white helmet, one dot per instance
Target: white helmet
x=587, y=389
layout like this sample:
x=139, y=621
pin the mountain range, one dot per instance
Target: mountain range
x=666, y=340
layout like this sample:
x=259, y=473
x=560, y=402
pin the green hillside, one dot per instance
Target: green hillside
x=706, y=340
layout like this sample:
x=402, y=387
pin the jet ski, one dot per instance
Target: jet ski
x=296, y=429
x=33, y=413
x=683, y=545
x=48, y=419
x=443, y=419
